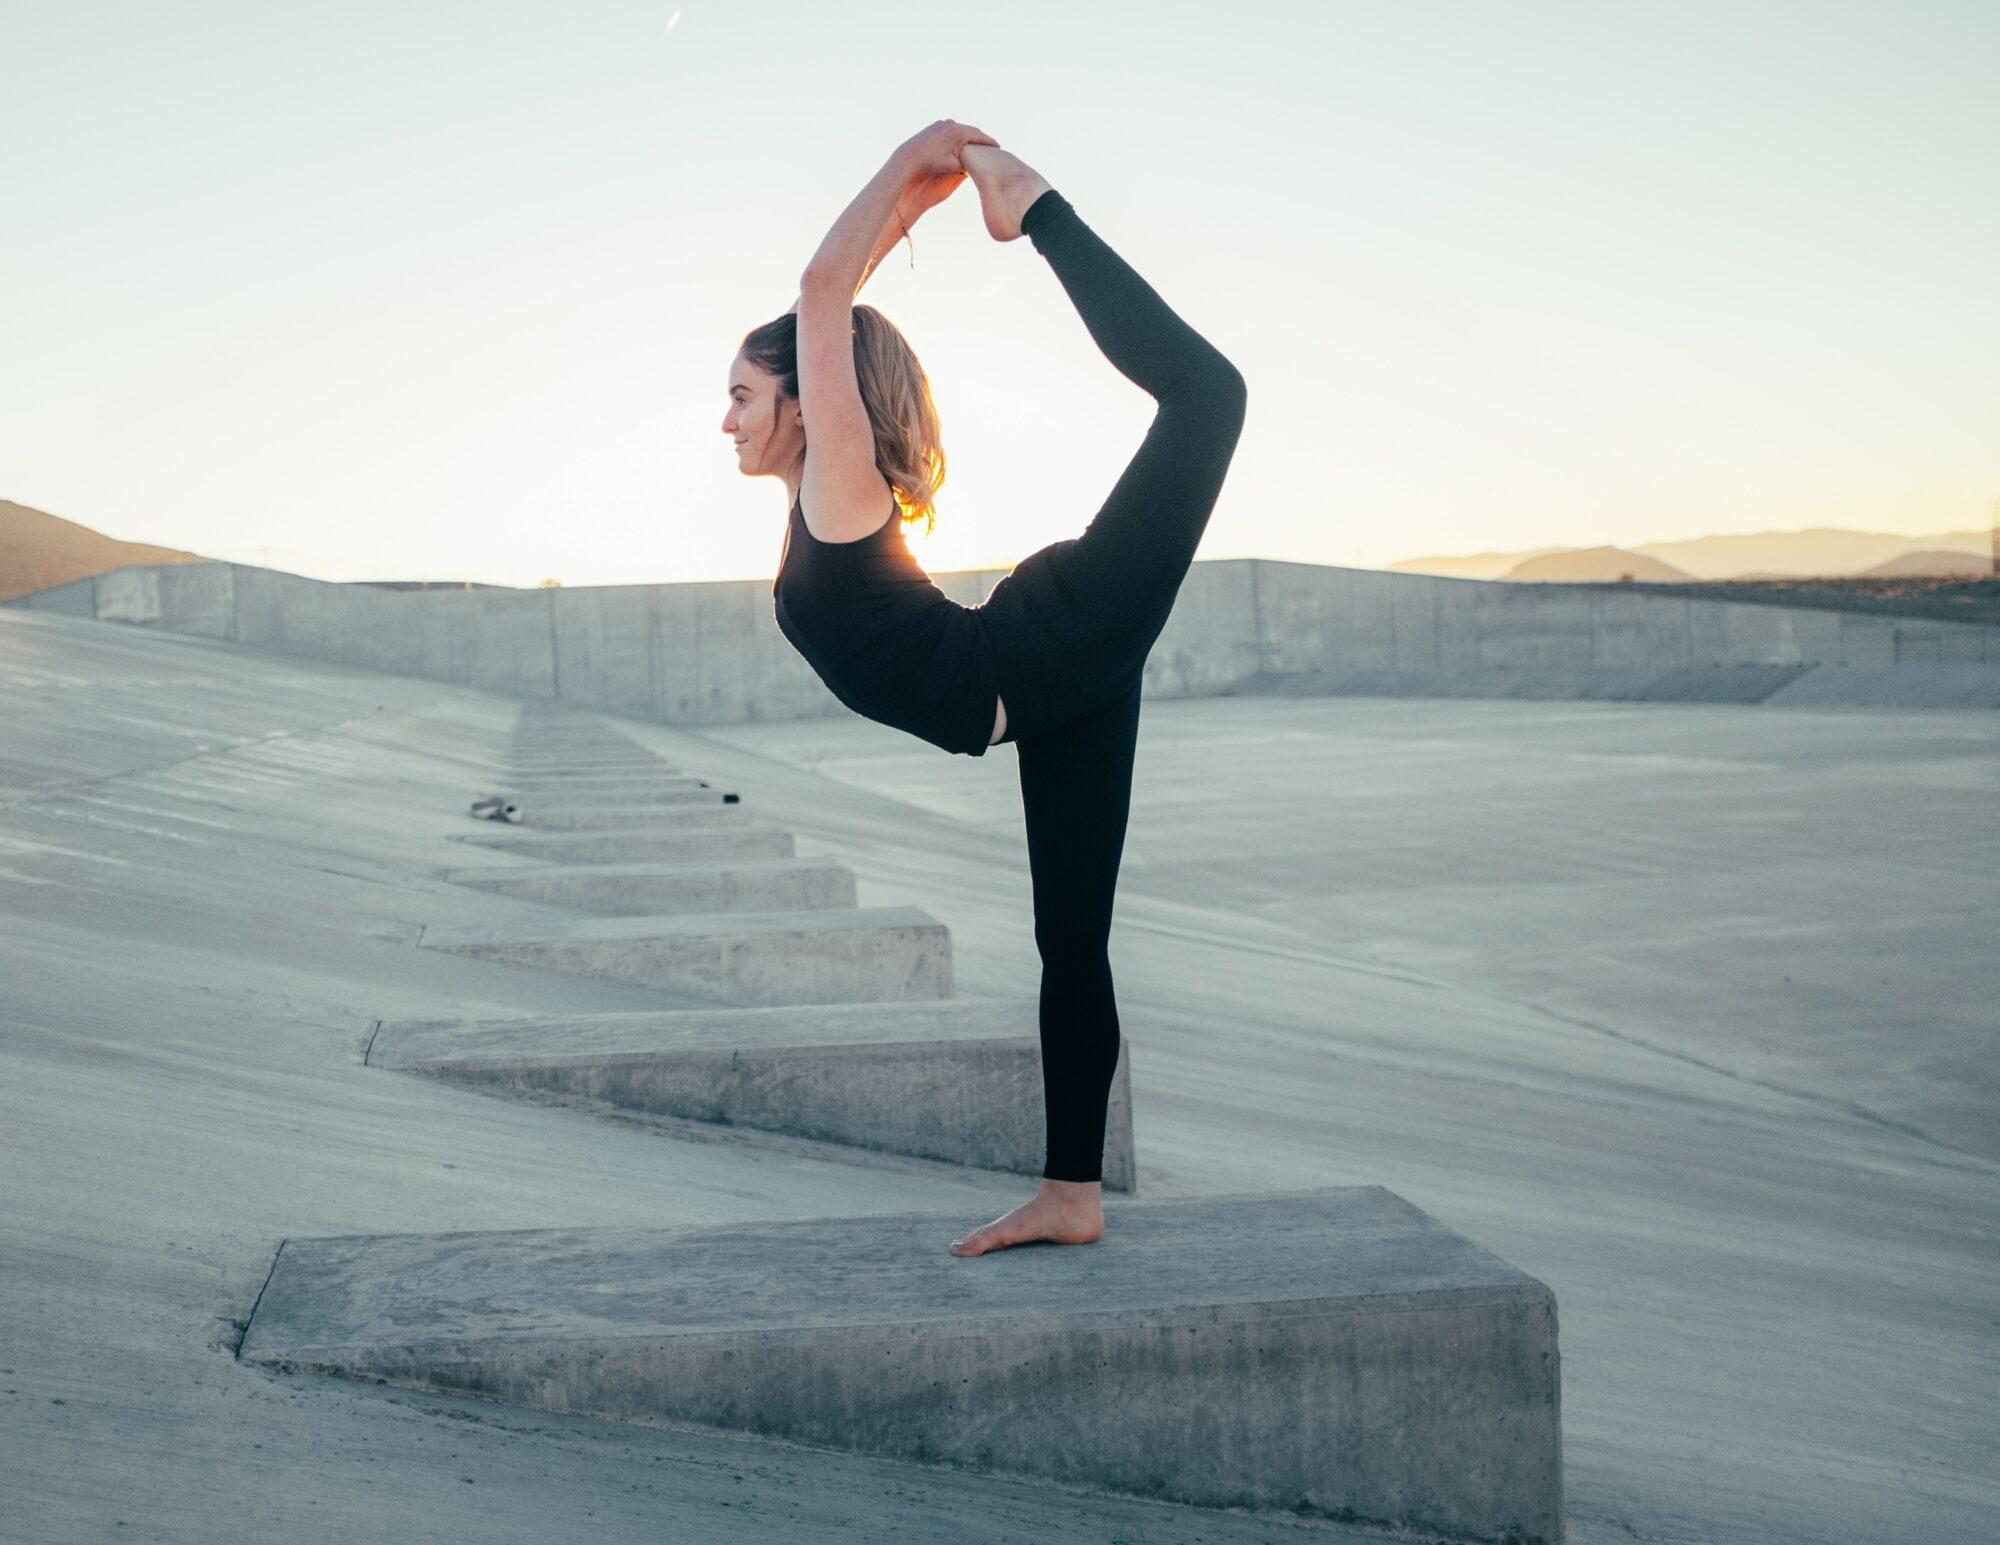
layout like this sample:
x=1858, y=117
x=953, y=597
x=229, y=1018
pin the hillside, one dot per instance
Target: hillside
x=39, y=550
x=1471, y=566
x=1591, y=565
x=1817, y=550
x=1950, y=562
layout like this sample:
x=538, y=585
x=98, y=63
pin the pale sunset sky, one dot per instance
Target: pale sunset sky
x=434, y=289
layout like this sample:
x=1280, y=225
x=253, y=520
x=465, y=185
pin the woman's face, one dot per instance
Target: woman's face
x=767, y=427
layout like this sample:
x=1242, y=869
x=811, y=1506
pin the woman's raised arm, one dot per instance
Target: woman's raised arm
x=920, y=172
x=897, y=228
x=841, y=482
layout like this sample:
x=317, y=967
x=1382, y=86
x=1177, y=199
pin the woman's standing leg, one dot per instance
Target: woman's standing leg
x=1076, y=793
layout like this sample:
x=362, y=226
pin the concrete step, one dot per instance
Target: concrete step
x=704, y=809
x=745, y=885
x=955, y=1079
x=1331, y=1352
x=832, y=955
x=678, y=842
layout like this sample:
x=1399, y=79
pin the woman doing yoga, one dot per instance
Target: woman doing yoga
x=1053, y=659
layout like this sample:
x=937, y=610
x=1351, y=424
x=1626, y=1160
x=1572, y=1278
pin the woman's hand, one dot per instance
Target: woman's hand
x=926, y=190
x=933, y=152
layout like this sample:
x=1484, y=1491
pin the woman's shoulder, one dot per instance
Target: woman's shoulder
x=844, y=518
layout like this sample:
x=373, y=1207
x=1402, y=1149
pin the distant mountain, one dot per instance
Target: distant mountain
x=1474, y=566
x=38, y=550
x=1948, y=562
x=1589, y=565
x=1818, y=550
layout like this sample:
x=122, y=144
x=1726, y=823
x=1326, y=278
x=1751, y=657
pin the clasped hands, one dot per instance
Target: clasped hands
x=930, y=163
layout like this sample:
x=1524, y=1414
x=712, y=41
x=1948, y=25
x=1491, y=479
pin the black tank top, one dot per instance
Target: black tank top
x=886, y=641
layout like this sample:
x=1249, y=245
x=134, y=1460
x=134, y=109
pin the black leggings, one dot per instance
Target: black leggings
x=1103, y=598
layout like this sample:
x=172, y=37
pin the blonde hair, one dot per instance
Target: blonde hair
x=909, y=449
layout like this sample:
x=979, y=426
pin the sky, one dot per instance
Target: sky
x=431, y=289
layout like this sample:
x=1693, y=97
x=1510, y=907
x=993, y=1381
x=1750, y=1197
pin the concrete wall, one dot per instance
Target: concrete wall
x=712, y=654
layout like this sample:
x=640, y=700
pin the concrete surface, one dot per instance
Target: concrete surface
x=584, y=776
x=546, y=759
x=1333, y=1351
x=701, y=654
x=1940, y=685
x=658, y=791
x=548, y=815
x=832, y=955
x=745, y=885
x=1524, y=964
x=724, y=834
x=958, y=1080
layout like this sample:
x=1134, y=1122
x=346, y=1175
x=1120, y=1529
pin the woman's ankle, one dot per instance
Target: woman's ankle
x=1007, y=186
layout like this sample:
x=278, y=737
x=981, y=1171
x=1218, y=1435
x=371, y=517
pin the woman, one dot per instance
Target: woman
x=1053, y=659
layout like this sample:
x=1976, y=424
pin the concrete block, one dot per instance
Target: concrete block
x=955, y=1079
x=744, y=885
x=683, y=843
x=831, y=955
x=1332, y=1352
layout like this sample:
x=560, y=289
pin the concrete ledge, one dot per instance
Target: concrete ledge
x=746, y=885
x=684, y=842
x=1332, y=1352
x=957, y=1080
x=836, y=955
x=1644, y=683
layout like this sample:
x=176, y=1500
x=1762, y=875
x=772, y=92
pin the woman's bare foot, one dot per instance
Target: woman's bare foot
x=1065, y=1212
x=1007, y=186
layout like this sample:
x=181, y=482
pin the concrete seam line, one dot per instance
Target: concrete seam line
x=1257, y=611
x=258, y=1302
x=555, y=649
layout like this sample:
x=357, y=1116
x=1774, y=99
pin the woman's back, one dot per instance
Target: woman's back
x=886, y=641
